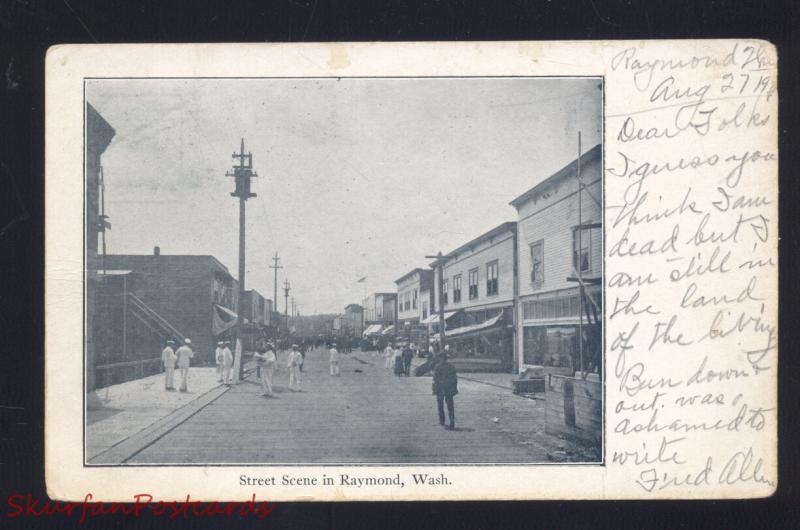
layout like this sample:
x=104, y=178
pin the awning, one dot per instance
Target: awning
x=388, y=330
x=223, y=319
x=433, y=318
x=373, y=329
x=463, y=330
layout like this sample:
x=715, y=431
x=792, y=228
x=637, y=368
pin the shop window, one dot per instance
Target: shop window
x=537, y=262
x=414, y=299
x=473, y=284
x=553, y=346
x=456, y=289
x=424, y=310
x=492, y=273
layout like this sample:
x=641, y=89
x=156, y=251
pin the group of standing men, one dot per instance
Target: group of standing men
x=267, y=363
x=183, y=356
x=224, y=358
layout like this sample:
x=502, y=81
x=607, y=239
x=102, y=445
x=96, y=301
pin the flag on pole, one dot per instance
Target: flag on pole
x=362, y=280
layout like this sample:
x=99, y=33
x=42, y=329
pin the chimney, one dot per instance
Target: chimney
x=156, y=251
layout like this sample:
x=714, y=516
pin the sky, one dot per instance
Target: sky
x=356, y=177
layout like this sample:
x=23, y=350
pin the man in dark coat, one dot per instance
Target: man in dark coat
x=408, y=354
x=445, y=386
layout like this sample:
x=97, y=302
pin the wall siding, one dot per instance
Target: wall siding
x=502, y=250
x=550, y=219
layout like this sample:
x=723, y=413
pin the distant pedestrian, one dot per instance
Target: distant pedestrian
x=227, y=363
x=168, y=357
x=185, y=355
x=408, y=354
x=445, y=386
x=303, y=354
x=294, y=361
x=334, y=360
x=388, y=356
x=397, y=361
x=218, y=356
x=266, y=361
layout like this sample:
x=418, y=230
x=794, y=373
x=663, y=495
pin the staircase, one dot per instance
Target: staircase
x=153, y=320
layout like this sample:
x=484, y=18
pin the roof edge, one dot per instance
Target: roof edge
x=588, y=156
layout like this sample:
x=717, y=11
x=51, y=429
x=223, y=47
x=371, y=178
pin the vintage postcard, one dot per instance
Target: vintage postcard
x=417, y=271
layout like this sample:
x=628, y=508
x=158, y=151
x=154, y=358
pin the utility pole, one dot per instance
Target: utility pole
x=579, y=261
x=103, y=222
x=440, y=266
x=286, y=289
x=242, y=173
x=275, y=266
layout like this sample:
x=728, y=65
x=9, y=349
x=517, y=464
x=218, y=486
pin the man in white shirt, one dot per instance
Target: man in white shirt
x=218, y=355
x=168, y=357
x=185, y=355
x=295, y=359
x=334, y=360
x=266, y=361
x=227, y=363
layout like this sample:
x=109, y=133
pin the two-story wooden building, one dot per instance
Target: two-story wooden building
x=478, y=284
x=352, y=322
x=559, y=234
x=379, y=312
x=414, y=302
x=257, y=309
x=257, y=312
x=184, y=295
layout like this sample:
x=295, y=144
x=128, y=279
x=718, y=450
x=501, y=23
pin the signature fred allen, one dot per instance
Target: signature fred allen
x=742, y=466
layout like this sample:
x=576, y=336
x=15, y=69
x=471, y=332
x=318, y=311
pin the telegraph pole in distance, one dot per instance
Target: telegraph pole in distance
x=275, y=266
x=286, y=289
x=440, y=266
x=242, y=173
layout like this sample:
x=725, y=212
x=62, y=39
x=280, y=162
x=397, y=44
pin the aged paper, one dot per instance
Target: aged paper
x=665, y=388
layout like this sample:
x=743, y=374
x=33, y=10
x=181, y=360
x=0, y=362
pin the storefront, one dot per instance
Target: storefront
x=551, y=326
x=484, y=343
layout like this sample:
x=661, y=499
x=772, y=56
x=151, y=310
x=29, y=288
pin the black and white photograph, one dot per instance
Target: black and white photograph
x=343, y=270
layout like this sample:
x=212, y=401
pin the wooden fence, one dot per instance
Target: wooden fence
x=115, y=373
x=574, y=409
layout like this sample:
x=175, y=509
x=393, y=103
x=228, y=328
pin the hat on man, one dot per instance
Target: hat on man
x=170, y=341
x=295, y=346
x=187, y=340
x=220, y=343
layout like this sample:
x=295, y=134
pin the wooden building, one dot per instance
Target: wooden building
x=98, y=137
x=184, y=295
x=479, y=285
x=379, y=309
x=352, y=322
x=559, y=235
x=414, y=302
